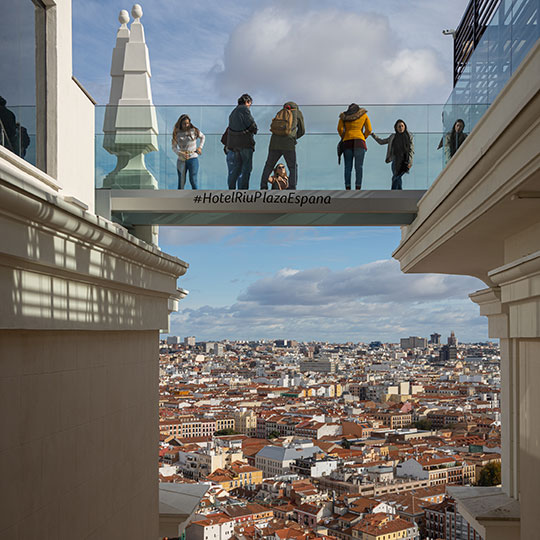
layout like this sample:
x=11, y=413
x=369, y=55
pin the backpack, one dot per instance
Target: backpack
x=282, y=123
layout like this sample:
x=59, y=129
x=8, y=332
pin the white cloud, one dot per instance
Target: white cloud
x=325, y=55
x=371, y=301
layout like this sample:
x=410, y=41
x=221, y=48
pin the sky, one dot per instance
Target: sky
x=330, y=284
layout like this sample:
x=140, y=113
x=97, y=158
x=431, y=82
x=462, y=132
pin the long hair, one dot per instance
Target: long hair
x=276, y=171
x=458, y=121
x=402, y=141
x=397, y=122
x=178, y=127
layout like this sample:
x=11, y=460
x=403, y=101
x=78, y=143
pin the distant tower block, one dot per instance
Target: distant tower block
x=130, y=124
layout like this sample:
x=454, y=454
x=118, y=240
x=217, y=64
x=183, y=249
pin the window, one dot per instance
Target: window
x=18, y=81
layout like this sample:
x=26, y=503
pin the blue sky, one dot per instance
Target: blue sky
x=333, y=284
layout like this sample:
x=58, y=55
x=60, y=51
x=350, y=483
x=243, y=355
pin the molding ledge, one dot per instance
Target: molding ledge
x=488, y=508
x=53, y=213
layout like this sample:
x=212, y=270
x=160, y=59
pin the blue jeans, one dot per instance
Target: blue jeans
x=231, y=160
x=357, y=154
x=243, y=164
x=396, y=178
x=183, y=168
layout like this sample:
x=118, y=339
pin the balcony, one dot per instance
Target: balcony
x=320, y=199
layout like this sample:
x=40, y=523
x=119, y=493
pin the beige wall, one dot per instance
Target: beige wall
x=78, y=419
x=529, y=430
x=81, y=306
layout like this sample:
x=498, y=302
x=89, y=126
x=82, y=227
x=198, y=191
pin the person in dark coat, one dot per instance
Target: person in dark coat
x=400, y=151
x=453, y=139
x=285, y=145
x=240, y=139
x=8, y=136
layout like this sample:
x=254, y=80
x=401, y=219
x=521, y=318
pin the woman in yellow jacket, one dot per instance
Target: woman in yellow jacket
x=354, y=128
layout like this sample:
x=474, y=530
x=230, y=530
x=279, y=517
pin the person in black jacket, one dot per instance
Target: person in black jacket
x=242, y=128
x=8, y=126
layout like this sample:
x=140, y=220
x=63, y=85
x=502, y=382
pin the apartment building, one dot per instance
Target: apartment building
x=245, y=422
x=382, y=526
x=394, y=420
x=212, y=527
x=188, y=429
x=442, y=520
x=237, y=475
x=438, y=471
x=277, y=460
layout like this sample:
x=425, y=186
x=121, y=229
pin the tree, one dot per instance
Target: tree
x=423, y=424
x=345, y=443
x=227, y=431
x=273, y=435
x=490, y=475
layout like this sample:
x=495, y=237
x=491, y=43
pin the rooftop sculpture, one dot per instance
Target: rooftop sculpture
x=130, y=124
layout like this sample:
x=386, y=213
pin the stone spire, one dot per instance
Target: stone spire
x=130, y=124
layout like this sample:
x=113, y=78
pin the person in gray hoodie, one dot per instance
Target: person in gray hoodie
x=285, y=145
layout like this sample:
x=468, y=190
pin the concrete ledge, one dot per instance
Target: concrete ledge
x=491, y=512
x=256, y=207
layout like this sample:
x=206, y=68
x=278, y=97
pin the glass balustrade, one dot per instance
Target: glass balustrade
x=19, y=133
x=316, y=152
x=510, y=35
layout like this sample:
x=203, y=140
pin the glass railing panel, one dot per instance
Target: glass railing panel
x=23, y=140
x=479, y=74
x=525, y=28
x=316, y=151
x=498, y=36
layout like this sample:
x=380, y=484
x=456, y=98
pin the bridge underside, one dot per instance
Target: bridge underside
x=259, y=208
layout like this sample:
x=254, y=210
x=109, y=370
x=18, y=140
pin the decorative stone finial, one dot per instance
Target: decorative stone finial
x=136, y=11
x=123, y=17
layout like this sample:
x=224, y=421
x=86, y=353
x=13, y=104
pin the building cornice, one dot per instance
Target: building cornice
x=50, y=211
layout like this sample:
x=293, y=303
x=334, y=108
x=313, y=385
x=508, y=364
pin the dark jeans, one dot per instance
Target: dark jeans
x=396, y=178
x=183, y=168
x=357, y=154
x=272, y=159
x=241, y=171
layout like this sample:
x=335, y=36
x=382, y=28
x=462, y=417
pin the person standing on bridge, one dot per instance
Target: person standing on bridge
x=399, y=153
x=240, y=139
x=286, y=127
x=184, y=145
x=353, y=127
x=453, y=139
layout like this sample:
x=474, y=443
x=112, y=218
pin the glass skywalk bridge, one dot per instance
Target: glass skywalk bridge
x=320, y=198
x=489, y=62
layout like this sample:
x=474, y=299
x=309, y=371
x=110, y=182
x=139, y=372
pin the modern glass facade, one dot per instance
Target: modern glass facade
x=510, y=35
x=18, y=78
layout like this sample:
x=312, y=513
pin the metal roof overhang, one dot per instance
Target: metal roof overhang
x=259, y=208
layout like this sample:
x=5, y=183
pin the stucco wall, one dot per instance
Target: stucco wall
x=79, y=426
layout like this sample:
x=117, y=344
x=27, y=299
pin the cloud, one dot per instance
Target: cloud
x=325, y=55
x=380, y=281
x=371, y=301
